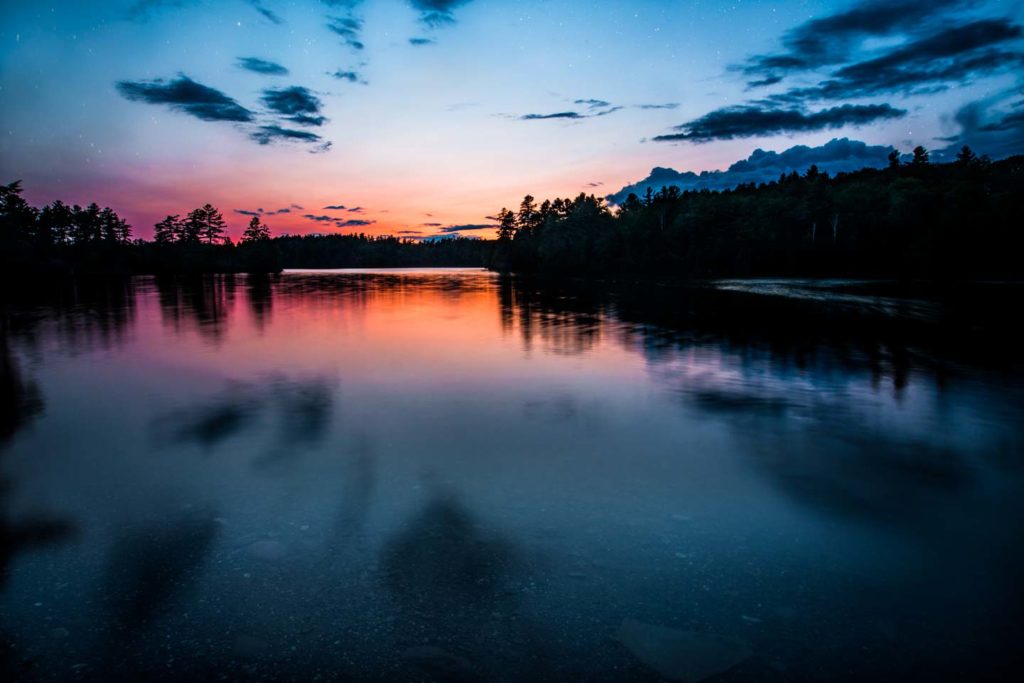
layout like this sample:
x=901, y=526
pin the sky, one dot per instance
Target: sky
x=425, y=117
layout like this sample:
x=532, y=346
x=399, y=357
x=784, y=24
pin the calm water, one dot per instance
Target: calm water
x=449, y=475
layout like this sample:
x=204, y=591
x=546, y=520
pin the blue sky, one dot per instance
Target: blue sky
x=420, y=116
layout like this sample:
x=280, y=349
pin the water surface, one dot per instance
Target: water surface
x=453, y=475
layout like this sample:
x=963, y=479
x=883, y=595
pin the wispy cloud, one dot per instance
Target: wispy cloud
x=556, y=115
x=262, y=66
x=350, y=76
x=436, y=13
x=665, y=105
x=296, y=104
x=269, y=134
x=266, y=13
x=594, y=108
x=752, y=121
x=349, y=28
x=831, y=39
x=469, y=227
x=185, y=95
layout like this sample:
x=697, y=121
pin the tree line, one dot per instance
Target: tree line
x=913, y=219
x=69, y=239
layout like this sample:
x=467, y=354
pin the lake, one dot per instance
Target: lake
x=457, y=475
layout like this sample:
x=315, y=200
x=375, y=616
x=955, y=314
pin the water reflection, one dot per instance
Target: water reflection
x=151, y=568
x=454, y=475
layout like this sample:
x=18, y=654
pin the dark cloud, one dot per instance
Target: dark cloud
x=340, y=223
x=349, y=28
x=467, y=228
x=557, y=115
x=752, y=121
x=432, y=225
x=296, y=103
x=262, y=66
x=267, y=14
x=992, y=127
x=436, y=13
x=421, y=41
x=764, y=82
x=836, y=156
x=335, y=207
x=951, y=56
x=594, y=184
x=185, y=95
x=266, y=135
x=830, y=39
x=410, y=232
x=350, y=76
x=666, y=105
x=594, y=108
x=261, y=212
x=143, y=10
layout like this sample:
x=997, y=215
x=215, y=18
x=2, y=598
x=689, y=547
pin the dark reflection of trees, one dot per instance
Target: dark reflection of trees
x=863, y=334
x=83, y=314
x=260, y=294
x=357, y=491
x=456, y=585
x=20, y=403
x=202, y=302
x=215, y=420
x=300, y=412
x=568, y=321
x=20, y=400
x=151, y=567
x=778, y=371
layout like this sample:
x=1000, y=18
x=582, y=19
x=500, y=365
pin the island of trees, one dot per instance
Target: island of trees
x=911, y=220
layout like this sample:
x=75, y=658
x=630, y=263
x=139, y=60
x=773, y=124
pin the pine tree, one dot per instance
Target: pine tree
x=168, y=230
x=256, y=232
x=506, y=224
x=212, y=231
x=192, y=226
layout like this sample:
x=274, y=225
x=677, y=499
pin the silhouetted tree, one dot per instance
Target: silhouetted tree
x=966, y=157
x=506, y=224
x=168, y=230
x=212, y=231
x=256, y=232
x=921, y=157
x=192, y=227
x=894, y=159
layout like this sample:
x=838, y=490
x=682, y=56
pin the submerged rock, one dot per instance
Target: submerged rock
x=681, y=655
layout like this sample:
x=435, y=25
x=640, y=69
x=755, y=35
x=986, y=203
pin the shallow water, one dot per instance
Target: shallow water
x=451, y=475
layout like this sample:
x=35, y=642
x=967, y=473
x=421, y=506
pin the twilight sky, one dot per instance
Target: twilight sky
x=417, y=117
